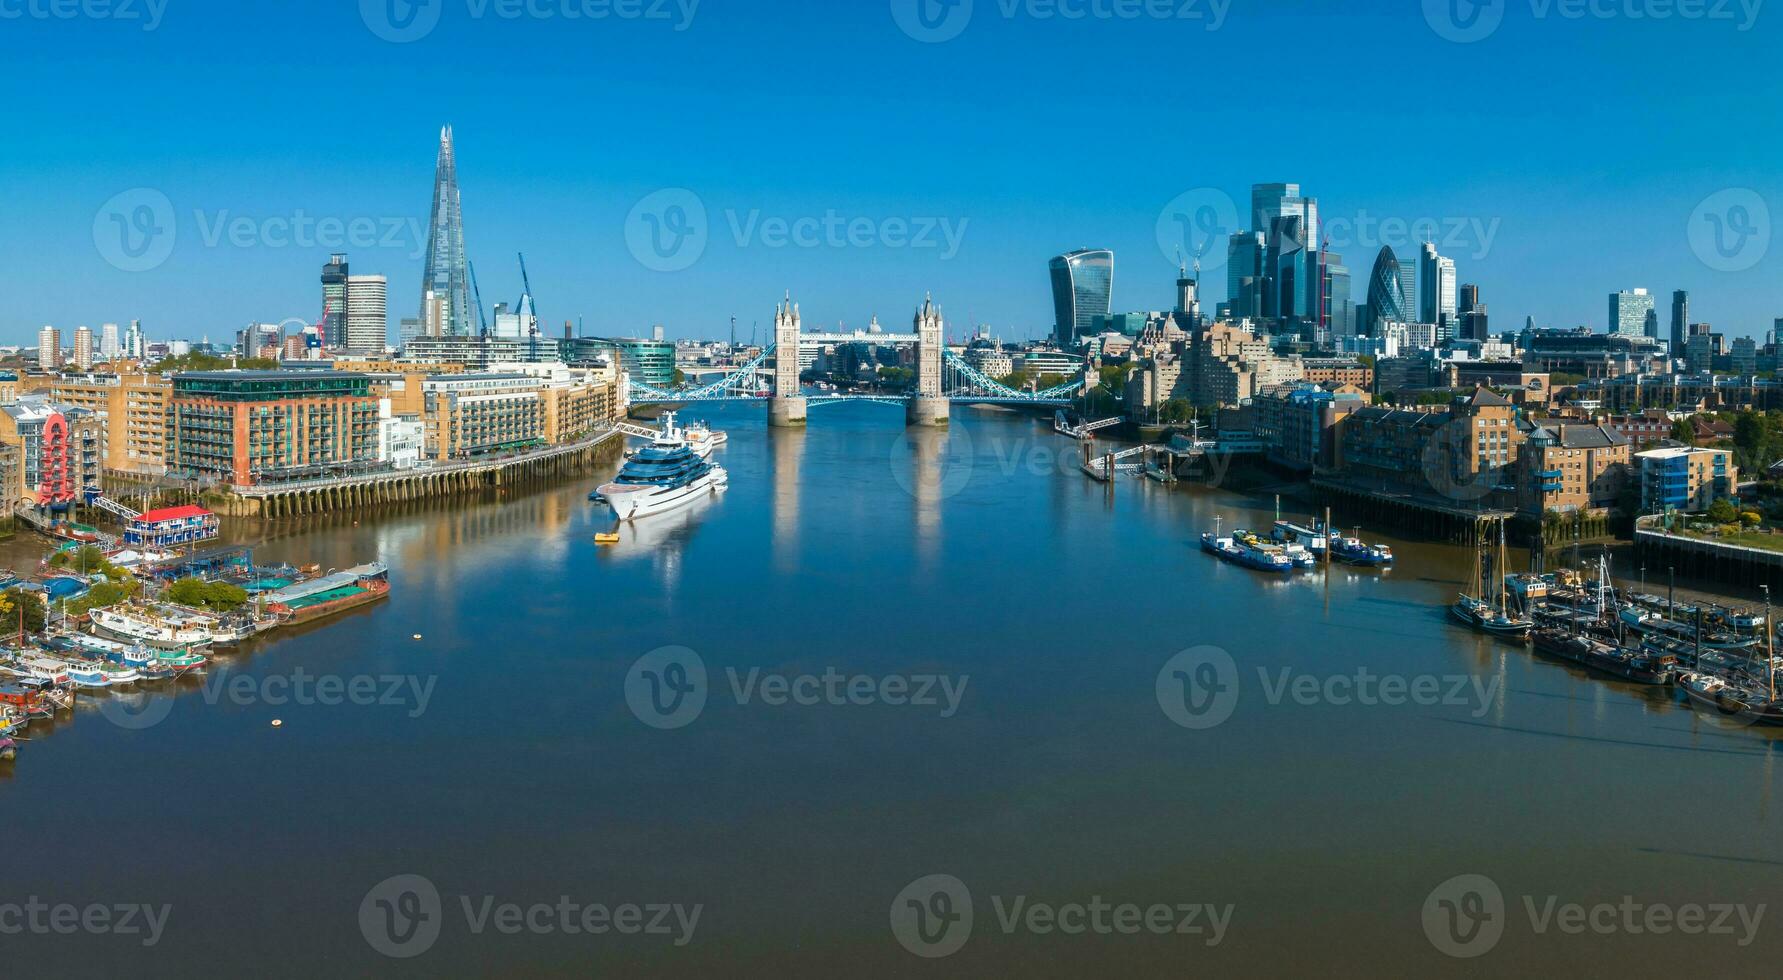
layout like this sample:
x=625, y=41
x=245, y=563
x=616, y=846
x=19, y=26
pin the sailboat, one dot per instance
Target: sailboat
x=1489, y=615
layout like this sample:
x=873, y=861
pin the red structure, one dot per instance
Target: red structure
x=170, y=527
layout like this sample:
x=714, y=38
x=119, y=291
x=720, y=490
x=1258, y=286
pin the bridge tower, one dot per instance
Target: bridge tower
x=786, y=407
x=926, y=406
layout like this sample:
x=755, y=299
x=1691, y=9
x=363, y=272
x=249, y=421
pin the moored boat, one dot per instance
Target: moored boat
x=662, y=476
x=139, y=625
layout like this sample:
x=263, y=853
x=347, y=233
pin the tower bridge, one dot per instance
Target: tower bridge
x=942, y=377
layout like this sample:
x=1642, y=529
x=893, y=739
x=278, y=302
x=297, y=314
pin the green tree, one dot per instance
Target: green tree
x=196, y=592
x=1684, y=432
x=1751, y=518
x=1723, y=511
x=15, y=599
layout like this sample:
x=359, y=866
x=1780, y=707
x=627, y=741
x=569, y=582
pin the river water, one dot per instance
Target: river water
x=897, y=704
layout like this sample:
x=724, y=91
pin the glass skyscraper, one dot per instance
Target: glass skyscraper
x=1628, y=312
x=445, y=280
x=334, y=301
x=1436, y=287
x=1386, y=292
x=1082, y=290
x=1244, y=268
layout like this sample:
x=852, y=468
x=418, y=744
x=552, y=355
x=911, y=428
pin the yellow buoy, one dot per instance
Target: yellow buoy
x=417, y=636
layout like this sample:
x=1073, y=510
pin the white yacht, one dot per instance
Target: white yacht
x=662, y=476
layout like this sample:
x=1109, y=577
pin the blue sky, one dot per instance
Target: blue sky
x=1560, y=157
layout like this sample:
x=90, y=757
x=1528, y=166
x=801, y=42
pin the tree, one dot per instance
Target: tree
x=15, y=599
x=1723, y=511
x=219, y=596
x=1684, y=432
x=1751, y=518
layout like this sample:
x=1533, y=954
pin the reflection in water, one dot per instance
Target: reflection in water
x=788, y=448
x=661, y=539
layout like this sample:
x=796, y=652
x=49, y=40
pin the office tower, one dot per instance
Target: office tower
x=1628, y=312
x=1470, y=316
x=409, y=330
x=135, y=344
x=1290, y=224
x=1339, y=312
x=1244, y=266
x=1408, y=287
x=1082, y=289
x=445, y=279
x=1272, y=201
x=108, y=342
x=1188, y=298
x=656, y=333
x=49, y=348
x=368, y=320
x=83, y=348
x=1436, y=287
x=1680, y=321
x=1651, y=327
x=334, y=300
x=1386, y=292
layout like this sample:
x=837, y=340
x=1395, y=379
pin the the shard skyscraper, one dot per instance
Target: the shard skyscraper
x=445, y=281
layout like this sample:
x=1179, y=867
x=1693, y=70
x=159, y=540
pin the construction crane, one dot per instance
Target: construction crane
x=482, y=325
x=527, y=305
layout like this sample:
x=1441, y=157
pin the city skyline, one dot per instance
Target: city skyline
x=960, y=212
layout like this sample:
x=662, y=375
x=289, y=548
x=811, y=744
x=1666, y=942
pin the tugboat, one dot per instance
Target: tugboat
x=1352, y=550
x=662, y=476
